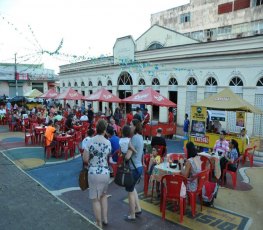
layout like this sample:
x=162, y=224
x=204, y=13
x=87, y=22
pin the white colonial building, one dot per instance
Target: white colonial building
x=180, y=68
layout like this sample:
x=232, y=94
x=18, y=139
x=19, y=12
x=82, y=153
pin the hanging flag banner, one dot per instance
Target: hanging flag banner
x=240, y=118
x=198, y=118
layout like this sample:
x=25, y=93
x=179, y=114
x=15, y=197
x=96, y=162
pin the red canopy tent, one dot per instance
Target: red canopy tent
x=103, y=95
x=149, y=97
x=69, y=94
x=49, y=94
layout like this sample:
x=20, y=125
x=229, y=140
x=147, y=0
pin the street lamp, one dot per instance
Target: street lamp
x=16, y=76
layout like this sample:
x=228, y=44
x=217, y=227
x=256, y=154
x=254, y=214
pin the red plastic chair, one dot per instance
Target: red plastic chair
x=170, y=191
x=233, y=174
x=202, y=178
x=175, y=157
x=69, y=148
x=29, y=135
x=48, y=149
x=146, y=176
x=207, y=164
x=249, y=153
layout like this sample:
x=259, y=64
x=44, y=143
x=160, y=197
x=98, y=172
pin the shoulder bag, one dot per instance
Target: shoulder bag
x=83, y=178
x=124, y=177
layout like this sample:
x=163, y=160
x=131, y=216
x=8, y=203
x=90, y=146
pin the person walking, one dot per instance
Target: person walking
x=96, y=155
x=186, y=126
x=136, y=157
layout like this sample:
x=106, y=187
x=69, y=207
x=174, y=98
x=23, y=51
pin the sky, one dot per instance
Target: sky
x=78, y=27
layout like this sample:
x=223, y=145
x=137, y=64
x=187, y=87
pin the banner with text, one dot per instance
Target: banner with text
x=198, y=120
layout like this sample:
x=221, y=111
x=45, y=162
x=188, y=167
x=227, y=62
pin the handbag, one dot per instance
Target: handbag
x=124, y=177
x=83, y=179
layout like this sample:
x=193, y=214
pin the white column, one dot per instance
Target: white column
x=181, y=102
x=163, y=111
x=249, y=95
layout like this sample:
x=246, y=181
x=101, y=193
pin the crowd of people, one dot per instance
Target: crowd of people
x=105, y=137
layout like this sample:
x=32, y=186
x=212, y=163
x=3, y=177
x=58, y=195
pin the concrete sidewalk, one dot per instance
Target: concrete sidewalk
x=27, y=205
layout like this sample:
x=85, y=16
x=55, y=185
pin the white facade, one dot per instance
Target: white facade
x=184, y=73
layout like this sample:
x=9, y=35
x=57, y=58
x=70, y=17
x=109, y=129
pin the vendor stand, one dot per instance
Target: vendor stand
x=204, y=136
x=151, y=97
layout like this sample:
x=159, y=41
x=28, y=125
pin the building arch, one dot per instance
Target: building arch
x=191, y=93
x=75, y=84
x=82, y=83
x=69, y=84
x=210, y=86
x=141, y=84
x=99, y=83
x=155, y=45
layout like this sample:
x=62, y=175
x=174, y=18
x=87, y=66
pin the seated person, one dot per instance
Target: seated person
x=84, y=117
x=49, y=134
x=192, y=166
x=217, y=126
x=159, y=140
x=221, y=145
x=154, y=160
x=58, y=116
x=231, y=156
x=146, y=119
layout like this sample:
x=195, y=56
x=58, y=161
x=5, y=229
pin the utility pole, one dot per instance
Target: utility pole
x=16, y=76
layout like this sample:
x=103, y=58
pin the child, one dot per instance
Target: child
x=125, y=141
x=154, y=160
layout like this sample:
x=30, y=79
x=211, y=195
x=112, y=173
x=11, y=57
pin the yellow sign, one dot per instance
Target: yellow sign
x=198, y=120
x=198, y=113
x=240, y=119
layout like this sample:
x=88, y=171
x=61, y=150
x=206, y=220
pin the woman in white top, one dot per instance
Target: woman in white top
x=96, y=155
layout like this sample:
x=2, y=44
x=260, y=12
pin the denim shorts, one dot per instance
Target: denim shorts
x=136, y=176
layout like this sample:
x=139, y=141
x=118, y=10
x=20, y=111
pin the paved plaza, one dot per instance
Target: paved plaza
x=43, y=194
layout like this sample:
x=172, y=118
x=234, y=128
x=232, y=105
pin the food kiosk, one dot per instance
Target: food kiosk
x=214, y=110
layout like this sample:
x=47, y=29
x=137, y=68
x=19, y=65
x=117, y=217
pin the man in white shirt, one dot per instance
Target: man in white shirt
x=84, y=117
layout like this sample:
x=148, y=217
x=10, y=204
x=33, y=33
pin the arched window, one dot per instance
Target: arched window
x=155, y=45
x=236, y=81
x=191, y=81
x=75, y=84
x=99, y=83
x=141, y=82
x=125, y=79
x=173, y=81
x=69, y=84
x=90, y=83
x=82, y=83
x=155, y=81
x=211, y=81
x=63, y=84
x=260, y=82
x=109, y=83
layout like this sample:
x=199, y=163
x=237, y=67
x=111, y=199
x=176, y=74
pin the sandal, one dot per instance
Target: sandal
x=129, y=219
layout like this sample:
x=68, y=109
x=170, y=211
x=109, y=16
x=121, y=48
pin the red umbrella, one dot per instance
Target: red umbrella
x=103, y=95
x=149, y=97
x=49, y=94
x=70, y=94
